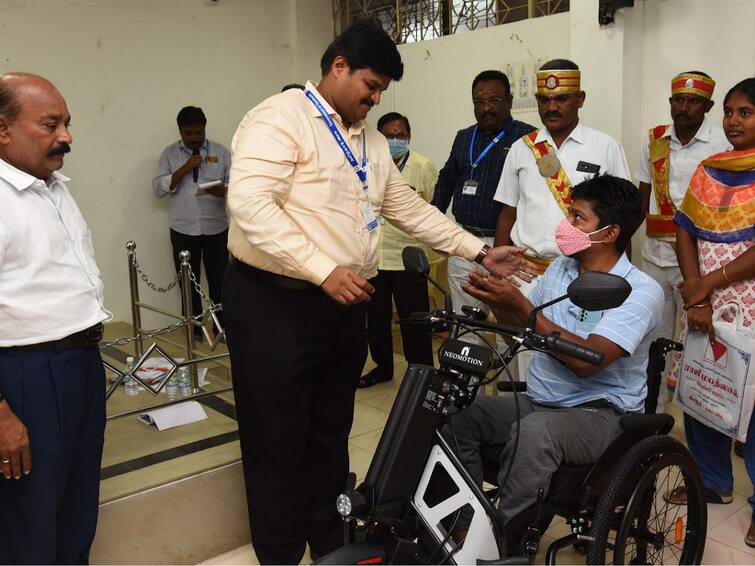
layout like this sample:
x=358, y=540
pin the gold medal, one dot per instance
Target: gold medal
x=548, y=165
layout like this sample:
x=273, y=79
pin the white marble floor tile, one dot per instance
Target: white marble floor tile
x=732, y=531
x=720, y=553
x=367, y=419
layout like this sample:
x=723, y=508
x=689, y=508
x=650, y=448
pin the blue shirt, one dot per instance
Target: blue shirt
x=479, y=210
x=189, y=214
x=630, y=326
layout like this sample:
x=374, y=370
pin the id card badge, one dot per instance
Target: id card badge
x=469, y=188
x=369, y=217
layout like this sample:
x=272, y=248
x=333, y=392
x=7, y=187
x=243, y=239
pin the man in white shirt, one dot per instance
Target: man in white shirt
x=670, y=155
x=52, y=383
x=543, y=165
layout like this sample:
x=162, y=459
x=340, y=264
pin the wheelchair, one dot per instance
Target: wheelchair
x=406, y=509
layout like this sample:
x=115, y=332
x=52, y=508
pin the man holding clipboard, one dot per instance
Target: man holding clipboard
x=193, y=172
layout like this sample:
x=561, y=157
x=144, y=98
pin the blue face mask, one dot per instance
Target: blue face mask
x=398, y=147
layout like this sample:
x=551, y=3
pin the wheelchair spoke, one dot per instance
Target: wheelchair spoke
x=652, y=536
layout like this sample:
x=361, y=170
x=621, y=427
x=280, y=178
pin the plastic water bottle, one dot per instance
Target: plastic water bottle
x=171, y=388
x=132, y=387
x=184, y=382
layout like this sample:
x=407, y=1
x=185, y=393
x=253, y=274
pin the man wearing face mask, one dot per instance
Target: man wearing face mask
x=471, y=173
x=393, y=283
x=571, y=411
x=670, y=155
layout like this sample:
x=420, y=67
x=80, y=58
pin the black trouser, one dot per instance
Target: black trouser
x=410, y=294
x=296, y=357
x=214, y=249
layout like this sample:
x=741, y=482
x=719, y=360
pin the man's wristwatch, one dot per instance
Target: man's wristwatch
x=482, y=255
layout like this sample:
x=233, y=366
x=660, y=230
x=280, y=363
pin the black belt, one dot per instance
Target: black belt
x=277, y=280
x=479, y=232
x=82, y=339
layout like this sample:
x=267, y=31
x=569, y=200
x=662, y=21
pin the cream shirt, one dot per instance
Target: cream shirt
x=421, y=175
x=50, y=285
x=709, y=139
x=522, y=186
x=295, y=201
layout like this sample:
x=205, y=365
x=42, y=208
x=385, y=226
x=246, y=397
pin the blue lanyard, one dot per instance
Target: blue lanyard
x=475, y=162
x=403, y=162
x=359, y=170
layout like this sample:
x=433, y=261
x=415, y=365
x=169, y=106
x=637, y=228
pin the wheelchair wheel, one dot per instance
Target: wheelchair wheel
x=634, y=524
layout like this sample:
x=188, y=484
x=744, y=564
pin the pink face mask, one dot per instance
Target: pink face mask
x=571, y=240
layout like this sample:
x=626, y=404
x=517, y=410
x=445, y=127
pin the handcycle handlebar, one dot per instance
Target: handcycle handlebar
x=442, y=320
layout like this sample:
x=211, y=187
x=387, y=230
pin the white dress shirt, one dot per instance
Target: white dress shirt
x=190, y=214
x=50, y=285
x=522, y=186
x=708, y=140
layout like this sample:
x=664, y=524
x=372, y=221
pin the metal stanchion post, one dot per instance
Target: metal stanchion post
x=133, y=281
x=186, y=288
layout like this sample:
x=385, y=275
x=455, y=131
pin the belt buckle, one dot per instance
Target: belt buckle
x=94, y=333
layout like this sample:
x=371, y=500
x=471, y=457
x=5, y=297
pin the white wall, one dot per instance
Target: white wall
x=125, y=68
x=436, y=91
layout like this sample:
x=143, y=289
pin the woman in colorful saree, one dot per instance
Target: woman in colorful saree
x=716, y=249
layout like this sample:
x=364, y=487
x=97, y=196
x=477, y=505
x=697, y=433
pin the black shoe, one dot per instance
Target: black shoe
x=739, y=449
x=373, y=377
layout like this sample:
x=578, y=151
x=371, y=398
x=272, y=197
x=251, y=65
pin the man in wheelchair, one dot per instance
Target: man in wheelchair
x=572, y=409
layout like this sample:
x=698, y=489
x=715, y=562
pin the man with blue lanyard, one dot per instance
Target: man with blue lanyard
x=470, y=175
x=393, y=282
x=309, y=179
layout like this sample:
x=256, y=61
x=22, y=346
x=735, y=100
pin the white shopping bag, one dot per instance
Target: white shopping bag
x=716, y=382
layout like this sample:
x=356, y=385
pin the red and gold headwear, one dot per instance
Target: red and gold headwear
x=557, y=81
x=693, y=83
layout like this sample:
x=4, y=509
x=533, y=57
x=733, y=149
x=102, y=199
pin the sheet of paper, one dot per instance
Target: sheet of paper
x=202, y=189
x=174, y=415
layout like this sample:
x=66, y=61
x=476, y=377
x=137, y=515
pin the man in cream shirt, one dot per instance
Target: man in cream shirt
x=308, y=180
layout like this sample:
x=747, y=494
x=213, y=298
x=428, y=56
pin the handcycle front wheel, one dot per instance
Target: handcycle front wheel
x=633, y=522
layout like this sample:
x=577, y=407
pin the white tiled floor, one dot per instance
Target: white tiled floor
x=726, y=523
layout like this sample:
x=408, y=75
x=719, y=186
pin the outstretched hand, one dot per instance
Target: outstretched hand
x=505, y=261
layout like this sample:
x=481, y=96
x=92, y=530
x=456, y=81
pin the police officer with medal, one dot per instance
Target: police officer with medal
x=542, y=166
x=471, y=173
x=309, y=177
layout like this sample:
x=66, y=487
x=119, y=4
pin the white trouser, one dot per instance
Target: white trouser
x=524, y=358
x=458, y=273
x=668, y=278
